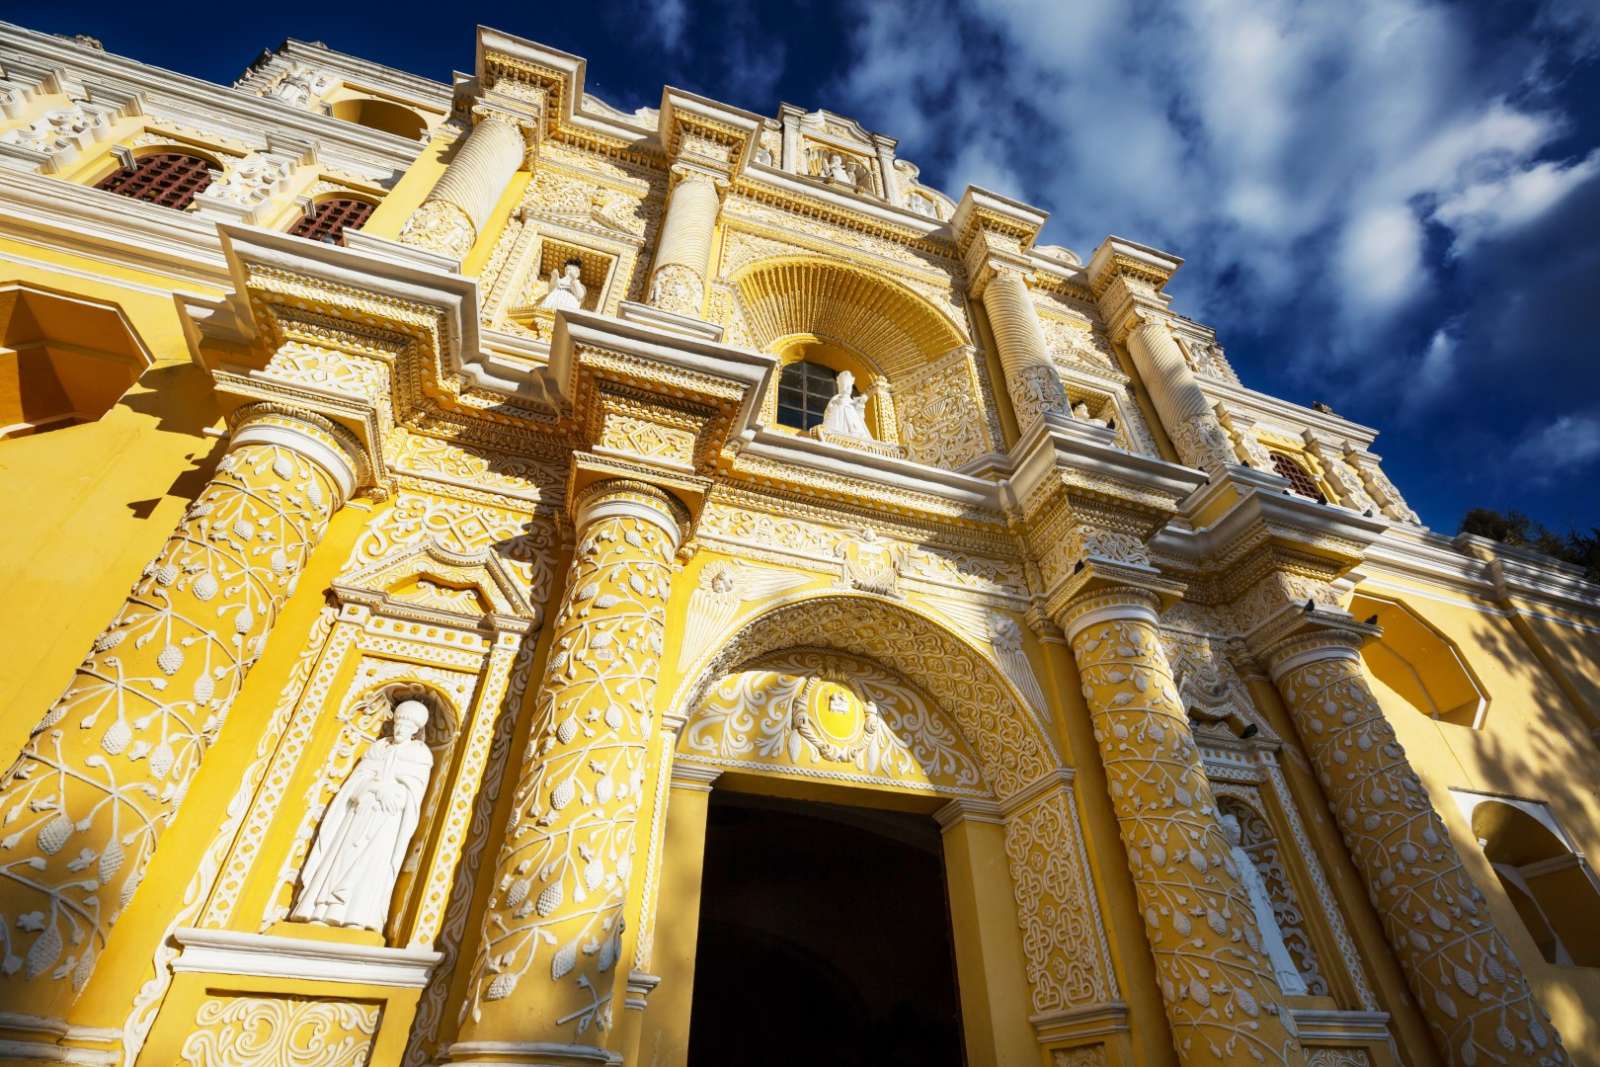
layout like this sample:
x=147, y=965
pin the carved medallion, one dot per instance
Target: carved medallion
x=835, y=719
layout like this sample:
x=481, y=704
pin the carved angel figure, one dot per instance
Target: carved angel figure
x=566, y=289
x=1283, y=965
x=350, y=874
x=846, y=414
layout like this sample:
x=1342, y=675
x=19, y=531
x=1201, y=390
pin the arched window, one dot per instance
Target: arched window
x=803, y=393
x=167, y=178
x=330, y=218
x=1300, y=479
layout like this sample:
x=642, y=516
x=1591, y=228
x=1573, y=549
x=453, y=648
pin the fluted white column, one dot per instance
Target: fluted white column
x=1031, y=377
x=450, y=219
x=683, y=253
x=1193, y=426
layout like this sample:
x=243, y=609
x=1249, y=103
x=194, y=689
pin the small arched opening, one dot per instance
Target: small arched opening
x=382, y=115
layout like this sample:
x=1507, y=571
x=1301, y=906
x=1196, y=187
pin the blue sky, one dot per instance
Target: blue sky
x=1391, y=206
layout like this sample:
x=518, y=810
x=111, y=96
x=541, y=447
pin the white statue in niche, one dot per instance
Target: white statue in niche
x=846, y=413
x=349, y=876
x=1283, y=965
x=566, y=289
x=836, y=171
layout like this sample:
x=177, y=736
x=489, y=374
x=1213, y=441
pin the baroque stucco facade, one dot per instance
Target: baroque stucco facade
x=1064, y=599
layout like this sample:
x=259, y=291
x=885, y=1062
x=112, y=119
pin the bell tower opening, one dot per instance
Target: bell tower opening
x=824, y=938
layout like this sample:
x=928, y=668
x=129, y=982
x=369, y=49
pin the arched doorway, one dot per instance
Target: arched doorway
x=864, y=700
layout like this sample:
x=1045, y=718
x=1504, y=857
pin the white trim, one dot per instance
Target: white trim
x=604, y=507
x=1313, y=655
x=331, y=460
x=272, y=956
x=40, y=1052
x=531, y=1053
x=1112, y=613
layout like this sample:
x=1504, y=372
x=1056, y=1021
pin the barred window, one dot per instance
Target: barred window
x=1300, y=479
x=330, y=218
x=167, y=178
x=803, y=393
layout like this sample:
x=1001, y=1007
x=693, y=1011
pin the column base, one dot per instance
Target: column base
x=530, y=1054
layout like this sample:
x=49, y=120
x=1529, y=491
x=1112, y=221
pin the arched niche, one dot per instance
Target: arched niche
x=1552, y=888
x=914, y=363
x=1420, y=664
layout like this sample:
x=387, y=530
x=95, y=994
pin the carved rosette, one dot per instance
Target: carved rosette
x=553, y=925
x=1221, y=998
x=103, y=774
x=1465, y=978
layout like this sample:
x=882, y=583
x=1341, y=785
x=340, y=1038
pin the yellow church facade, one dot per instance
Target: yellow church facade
x=495, y=579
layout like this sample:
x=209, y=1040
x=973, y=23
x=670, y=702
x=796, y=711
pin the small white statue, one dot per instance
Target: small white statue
x=846, y=413
x=1283, y=966
x=836, y=171
x=566, y=289
x=349, y=876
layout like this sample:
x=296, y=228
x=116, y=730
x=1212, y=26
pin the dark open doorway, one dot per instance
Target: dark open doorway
x=824, y=939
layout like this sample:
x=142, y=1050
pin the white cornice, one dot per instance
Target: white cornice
x=269, y=956
x=245, y=116
x=1261, y=405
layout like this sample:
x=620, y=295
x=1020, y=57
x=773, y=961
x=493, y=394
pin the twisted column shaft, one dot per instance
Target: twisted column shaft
x=1221, y=997
x=106, y=768
x=1465, y=978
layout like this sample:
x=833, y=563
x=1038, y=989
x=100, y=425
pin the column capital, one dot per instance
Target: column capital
x=1326, y=643
x=337, y=451
x=623, y=496
x=1109, y=605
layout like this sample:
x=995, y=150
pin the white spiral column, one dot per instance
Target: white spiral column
x=677, y=283
x=1031, y=377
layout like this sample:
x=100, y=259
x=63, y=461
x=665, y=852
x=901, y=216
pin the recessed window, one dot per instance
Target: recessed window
x=803, y=393
x=381, y=115
x=170, y=179
x=1300, y=479
x=330, y=218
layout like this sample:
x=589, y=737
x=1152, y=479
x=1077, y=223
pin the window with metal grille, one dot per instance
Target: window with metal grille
x=803, y=394
x=167, y=178
x=1300, y=479
x=330, y=218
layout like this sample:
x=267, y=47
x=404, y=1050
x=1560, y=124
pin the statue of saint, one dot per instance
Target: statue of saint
x=349, y=876
x=846, y=414
x=836, y=171
x=1283, y=965
x=566, y=290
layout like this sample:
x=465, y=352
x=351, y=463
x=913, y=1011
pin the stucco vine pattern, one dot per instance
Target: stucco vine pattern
x=106, y=768
x=283, y=1031
x=1461, y=970
x=556, y=909
x=1217, y=984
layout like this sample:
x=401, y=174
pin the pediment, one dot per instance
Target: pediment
x=432, y=583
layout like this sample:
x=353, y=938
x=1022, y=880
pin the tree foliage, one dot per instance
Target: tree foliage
x=1515, y=528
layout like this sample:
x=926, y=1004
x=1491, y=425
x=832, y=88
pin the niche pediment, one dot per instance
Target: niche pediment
x=433, y=584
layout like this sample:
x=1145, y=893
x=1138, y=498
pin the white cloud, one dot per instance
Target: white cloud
x=1567, y=443
x=1294, y=150
x=1505, y=203
x=668, y=18
x=1435, y=374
